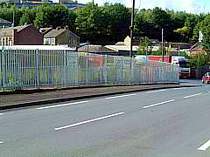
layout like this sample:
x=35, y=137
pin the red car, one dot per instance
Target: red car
x=206, y=78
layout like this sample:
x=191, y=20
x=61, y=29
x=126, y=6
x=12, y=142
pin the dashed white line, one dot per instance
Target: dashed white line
x=190, y=96
x=179, y=88
x=1, y=142
x=61, y=105
x=158, y=104
x=1, y=114
x=89, y=121
x=205, y=146
x=156, y=91
x=120, y=96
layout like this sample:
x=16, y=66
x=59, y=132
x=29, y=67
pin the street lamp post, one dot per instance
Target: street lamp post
x=162, y=45
x=131, y=38
x=132, y=28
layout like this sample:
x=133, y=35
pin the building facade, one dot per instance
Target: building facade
x=61, y=36
x=20, y=35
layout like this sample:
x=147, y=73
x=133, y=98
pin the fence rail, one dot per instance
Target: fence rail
x=22, y=69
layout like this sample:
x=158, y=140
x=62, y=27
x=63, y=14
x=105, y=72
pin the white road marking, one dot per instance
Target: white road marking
x=1, y=114
x=158, y=104
x=190, y=96
x=179, y=88
x=61, y=105
x=205, y=146
x=120, y=96
x=156, y=91
x=1, y=142
x=89, y=121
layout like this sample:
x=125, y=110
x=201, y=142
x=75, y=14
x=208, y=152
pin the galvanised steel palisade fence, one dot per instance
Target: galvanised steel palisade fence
x=23, y=69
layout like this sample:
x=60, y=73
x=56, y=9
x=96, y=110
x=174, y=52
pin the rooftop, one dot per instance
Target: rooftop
x=121, y=48
x=18, y=28
x=45, y=30
x=3, y=21
x=93, y=48
x=37, y=47
x=54, y=33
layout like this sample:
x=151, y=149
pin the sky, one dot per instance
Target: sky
x=191, y=6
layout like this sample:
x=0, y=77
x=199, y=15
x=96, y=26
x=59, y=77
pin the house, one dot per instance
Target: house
x=122, y=50
x=178, y=45
x=61, y=36
x=10, y=1
x=127, y=41
x=96, y=49
x=4, y=23
x=196, y=49
x=137, y=40
x=20, y=35
x=71, y=5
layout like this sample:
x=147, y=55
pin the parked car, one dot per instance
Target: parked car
x=206, y=78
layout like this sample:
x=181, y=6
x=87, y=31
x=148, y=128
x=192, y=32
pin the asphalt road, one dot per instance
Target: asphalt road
x=161, y=123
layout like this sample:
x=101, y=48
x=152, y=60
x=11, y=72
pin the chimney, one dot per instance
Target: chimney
x=14, y=37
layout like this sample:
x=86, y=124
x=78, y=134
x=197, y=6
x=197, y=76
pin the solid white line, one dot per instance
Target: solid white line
x=190, y=96
x=204, y=146
x=89, y=121
x=120, y=96
x=1, y=142
x=61, y=105
x=158, y=104
x=156, y=91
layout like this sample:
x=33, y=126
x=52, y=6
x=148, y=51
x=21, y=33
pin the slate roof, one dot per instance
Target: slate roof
x=18, y=28
x=3, y=21
x=54, y=33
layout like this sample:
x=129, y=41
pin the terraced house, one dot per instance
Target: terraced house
x=61, y=36
x=20, y=35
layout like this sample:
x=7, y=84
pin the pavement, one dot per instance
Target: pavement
x=36, y=97
x=170, y=122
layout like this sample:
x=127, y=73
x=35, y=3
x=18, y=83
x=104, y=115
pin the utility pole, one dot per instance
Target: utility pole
x=13, y=18
x=162, y=45
x=132, y=28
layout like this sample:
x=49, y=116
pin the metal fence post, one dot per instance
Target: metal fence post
x=132, y=72
x=3, y=68
x=105, y=70
x=86, y=69
x=37, y=69
x=64, y=68
x=76, y=77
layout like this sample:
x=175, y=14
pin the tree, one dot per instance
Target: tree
x=104, y=23
x=199, y=60
x=204, y=27
x=56, y=15
x=144, y=45
x=187, y=30
x=89, y=22
x=7, y=11
x=143, y=24
x=110, y=23
x=27, y=17
x=184, y=32
x=119, y=20
x=150, y=22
